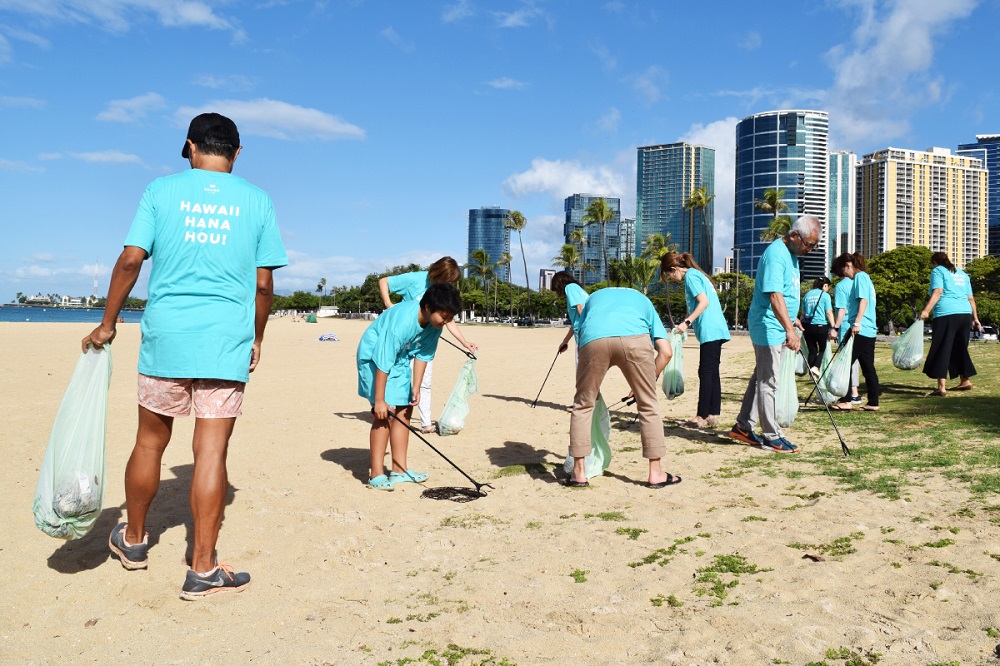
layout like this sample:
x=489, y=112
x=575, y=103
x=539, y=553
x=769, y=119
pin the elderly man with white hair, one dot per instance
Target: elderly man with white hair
x=776, y=297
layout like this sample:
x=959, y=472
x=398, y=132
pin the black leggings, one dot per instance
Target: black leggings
x=709, y=384
x=864, y=354
x=816, y=336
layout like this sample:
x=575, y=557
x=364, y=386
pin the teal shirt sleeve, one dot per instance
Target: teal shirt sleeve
x=937, y=279
x=143, y=229
x=863, y=288
x=270, y=249
x=411, y=286
x=428, y=342
x=819, y=318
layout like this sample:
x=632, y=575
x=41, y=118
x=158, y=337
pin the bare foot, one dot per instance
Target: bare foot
x=696, y=422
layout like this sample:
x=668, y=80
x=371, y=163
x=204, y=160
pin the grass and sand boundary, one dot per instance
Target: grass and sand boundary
x=890, y=556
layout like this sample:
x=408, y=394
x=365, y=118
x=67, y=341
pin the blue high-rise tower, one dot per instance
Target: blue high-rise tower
x=987, y=148
x=488, y=231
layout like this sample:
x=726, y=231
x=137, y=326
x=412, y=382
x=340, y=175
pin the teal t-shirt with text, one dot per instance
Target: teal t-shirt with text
x=711, y=323
x=862, y=287
x=955, y=291
x=814, y=306
x=619, y=312
x=777, y=271
x=206, y=233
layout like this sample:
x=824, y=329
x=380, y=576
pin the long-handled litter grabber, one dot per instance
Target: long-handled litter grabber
x=535, y=401
x=464, y=351
x=479, y=486
x=843, y=444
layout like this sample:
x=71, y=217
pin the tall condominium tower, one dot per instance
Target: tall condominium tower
x=625, y=239
x=488, y=231
x=576, y=207
x=781, y=150
x=987, y=149
x=843, y=194
x=930, y=198
x=666, y=177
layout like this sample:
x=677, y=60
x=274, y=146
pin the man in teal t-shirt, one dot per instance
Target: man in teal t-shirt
x=214, y=242
x=775, y=301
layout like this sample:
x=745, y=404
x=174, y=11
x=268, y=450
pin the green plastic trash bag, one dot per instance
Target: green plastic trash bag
x=837, y=380
x=801, y=362
x=787, y=397
x=600, y=435
x=824, y=366
x=673, y=374
x=457, y=408
x=71, y=482
x=908, y=348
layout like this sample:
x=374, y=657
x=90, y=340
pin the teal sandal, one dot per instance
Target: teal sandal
x=407, y=477
x=381, y=482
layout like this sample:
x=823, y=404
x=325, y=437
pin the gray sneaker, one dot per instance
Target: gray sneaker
x=132, y=556
x=220, y=579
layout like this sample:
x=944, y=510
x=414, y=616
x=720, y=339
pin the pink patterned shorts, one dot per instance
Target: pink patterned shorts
x=212, y=398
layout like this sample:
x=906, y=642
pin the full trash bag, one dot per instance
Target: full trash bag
x=600, y=434
x=787, y=397
x=673, y=374
x=71, y=482
x=837, y=381
x=824, y=366
x=457, y=408
x=908, y=348
x=801, y=362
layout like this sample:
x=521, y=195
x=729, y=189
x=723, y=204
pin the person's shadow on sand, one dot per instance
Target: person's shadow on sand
x=354, y=460
x=535, y=461
x=170, y=508
x=527, y=401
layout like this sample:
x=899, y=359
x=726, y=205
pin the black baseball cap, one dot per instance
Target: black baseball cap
x=212, y=128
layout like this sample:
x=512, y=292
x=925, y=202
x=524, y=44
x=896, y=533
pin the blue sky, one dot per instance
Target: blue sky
x=376, y=126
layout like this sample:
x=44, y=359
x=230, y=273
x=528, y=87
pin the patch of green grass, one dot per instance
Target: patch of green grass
x=942, y=543
x=955, y=570
x=422, y=618
x=471, y=521
x=632, y=532
x=628, y=449
x=991, y=632
x=852, y=658
x=567, y=516
x=748, y=519
x=455, y=655
x=965, y=512
x=608, y=516
x=887, y=530
x=953, y=530
x=936, y=584
x=836, y=548
x=710, y=581
x=895, y=565
x=533, y=525
x=895, y=541
x=671, y=601
x=663, y=556
x=579, y=576
x=995, y=556
x=393, y=620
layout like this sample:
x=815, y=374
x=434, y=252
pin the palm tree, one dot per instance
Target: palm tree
x=658, y=245
x=568, y=257
x=516, y=222
x=481, y=266
x=599, y=212
x=699, y=200
x=579, y=239
x=773, y=203
x=504, y=260
x=645, y=272
x=321, y=289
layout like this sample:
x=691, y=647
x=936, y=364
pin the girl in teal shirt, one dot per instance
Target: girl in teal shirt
x=709, y=323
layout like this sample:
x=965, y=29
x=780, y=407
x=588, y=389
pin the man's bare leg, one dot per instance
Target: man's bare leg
x=209, y=486
x=142, y=474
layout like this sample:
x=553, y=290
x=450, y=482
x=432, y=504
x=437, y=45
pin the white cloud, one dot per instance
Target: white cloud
x=391, y=36
x=107, y=157
x=119, y=16
x=560, y=179
x=5, y=50
x=649, y=84
x=720, y=135
x=882, y=77
x=232, y=82
x=22, y=102
x=41, y=258
x=25, y=36
x=15, y=165
x=750, y=41
x=460, y=10
x=277, y=120
x=45, y=157
x=607, y=58
x=521, y=18
x=132, y=110
x=610, y=120
x=506, y=83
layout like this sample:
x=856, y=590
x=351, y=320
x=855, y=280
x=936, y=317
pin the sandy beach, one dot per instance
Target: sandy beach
x=533, y=573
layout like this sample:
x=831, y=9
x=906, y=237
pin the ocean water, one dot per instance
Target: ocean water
x=65, y=315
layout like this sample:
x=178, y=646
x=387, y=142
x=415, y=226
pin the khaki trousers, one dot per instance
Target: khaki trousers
x=636, y=358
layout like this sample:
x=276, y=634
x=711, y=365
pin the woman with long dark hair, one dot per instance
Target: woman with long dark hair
x=861, y=319
x=955, y=315
x=706, y=317
x=817, y=321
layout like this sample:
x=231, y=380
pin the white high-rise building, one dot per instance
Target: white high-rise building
x=839, y=229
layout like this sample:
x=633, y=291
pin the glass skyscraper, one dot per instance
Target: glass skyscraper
x=576, y=207
x=488, y=231
x=781, y=150
x=843, y=193
x=665, y=179
x=987, y=149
